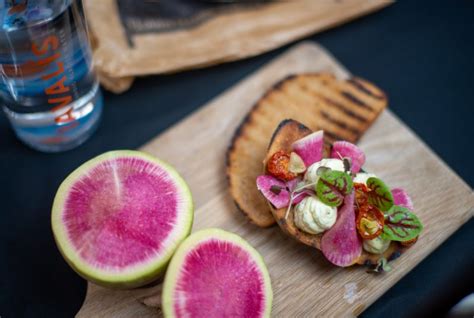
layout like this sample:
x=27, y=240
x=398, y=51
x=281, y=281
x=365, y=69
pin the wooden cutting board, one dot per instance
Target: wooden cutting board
x=304, y=283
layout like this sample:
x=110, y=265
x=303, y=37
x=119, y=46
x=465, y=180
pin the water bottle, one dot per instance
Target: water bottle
x=48, y=89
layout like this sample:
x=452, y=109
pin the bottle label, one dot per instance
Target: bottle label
x=59, y=94
x=45, y=59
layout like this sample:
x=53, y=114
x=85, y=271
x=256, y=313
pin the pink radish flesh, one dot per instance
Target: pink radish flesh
x=219, y=279
x=279, y=197
x=341, y=245
x=310, y=148
x=401, y=198
x=121, y=212
x=344, y=149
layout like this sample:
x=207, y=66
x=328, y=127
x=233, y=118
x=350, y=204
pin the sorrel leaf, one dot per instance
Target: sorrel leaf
x=401, y=224
x=380, y=195
x=332, y=186
x=382, y=266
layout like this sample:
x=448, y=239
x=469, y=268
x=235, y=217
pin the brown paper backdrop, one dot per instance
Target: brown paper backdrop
x=229, y=34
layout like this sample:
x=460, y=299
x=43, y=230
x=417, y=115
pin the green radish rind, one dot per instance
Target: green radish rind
x=145, y=272
x=195, y=239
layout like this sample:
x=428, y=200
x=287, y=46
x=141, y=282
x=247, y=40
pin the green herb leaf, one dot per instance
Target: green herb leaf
x=332, y=186
x=380, y=196
x=384, y=265
x=401, y=225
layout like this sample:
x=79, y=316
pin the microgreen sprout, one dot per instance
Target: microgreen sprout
x=293, y=196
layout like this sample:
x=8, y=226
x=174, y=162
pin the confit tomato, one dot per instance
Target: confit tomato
x=370, y=221
x=361, y=191
x=278, y=166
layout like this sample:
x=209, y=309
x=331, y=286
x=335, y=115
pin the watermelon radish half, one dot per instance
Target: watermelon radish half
x=119, y=217
x=215, y=273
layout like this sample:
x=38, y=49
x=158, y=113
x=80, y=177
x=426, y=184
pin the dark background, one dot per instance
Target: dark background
x=420, y=52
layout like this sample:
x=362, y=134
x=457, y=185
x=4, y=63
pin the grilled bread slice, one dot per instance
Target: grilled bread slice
x=344, y=109
x=288, y=132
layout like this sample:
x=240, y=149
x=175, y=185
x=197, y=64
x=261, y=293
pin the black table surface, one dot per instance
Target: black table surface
x=420, y=52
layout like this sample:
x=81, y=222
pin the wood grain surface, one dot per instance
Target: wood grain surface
x=304, y=283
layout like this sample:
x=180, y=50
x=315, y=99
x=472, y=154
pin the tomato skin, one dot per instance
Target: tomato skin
x=370, y=221
x=278, y=166
x=361, y=191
